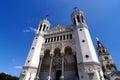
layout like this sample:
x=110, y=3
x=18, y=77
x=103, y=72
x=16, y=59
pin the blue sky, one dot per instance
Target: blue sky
x=20, y=18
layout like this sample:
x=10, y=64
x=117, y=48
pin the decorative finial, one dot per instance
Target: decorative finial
x=97, y=39
x=75, y=8
x=46, y=17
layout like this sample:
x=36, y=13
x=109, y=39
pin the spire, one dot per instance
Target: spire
x=46, y=17
x=97, y=39
x=99, y=43
x=100, y=47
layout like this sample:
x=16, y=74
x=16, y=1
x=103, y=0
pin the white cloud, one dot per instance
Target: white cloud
x=18, y=67
x=33, y=29
x=5, y=72
x=26, y=30
x=30, y=29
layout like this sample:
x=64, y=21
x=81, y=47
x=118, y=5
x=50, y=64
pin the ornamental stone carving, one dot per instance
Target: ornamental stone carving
x=58, y=29
x=90, y=69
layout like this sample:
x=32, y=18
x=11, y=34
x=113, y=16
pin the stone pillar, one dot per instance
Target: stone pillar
x=100, y=75
x=62, y=76
x=50, y=68
x=39, y=67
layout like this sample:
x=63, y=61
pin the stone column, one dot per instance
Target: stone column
x=62, y=76
x=39, y=67
x=100, y=75
x=50, y=68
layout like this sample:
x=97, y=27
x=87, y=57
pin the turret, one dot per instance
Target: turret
x=106, y=61
x=78, y=17
x=30, y=68
x=87, y=61
x=44, y=25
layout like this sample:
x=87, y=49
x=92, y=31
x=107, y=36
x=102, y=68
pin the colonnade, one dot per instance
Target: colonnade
x=50, y=66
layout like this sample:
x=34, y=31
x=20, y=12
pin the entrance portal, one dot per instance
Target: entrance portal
x=58, y=74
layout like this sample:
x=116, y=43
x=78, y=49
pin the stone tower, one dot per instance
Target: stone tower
x=31, y=65
x=65, y=52
x=108, y=66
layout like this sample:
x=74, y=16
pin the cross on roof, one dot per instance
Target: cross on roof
x=46, y=17
x=75, y=8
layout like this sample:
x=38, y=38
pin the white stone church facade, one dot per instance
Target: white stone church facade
x=62, y=53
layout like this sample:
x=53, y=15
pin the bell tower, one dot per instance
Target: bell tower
x=106, y=61
x=78, y=17
x=87, y=62
x=44, y=25
x=30, y=68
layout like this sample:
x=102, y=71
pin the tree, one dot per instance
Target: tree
x=4, y=76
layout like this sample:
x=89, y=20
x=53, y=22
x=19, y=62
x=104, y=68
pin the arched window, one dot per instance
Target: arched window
x=51, y=39
x=57, y=52
x=117, y=78
x=103, y=69
x=54, y=38
x=113, y=67
x=82, y=18
x=40, y=27
x=63, y=37
x=46, y=53
x=68, y=50
x=108, y=66
x=44, y=27
x=74, y=21
x=57, y=38
x=60, y=37
x=46, y=40
x=70, y=36
x=78, y=18
x=67, y=36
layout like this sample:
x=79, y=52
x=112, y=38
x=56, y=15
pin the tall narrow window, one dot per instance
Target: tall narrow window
x=78, y=18
x=54, y=38
x=63, y=37
x=82, y=19
x=51, y=39
x=44, y=27
x=46, y=40
x=60, y=37
x=40, y=27
x=74, y=20
x=57, y=38
x=106, y=58
x=70, y=36
x=67, y=36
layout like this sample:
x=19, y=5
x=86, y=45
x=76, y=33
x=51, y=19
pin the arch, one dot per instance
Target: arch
x=70, y=59
x=56, y=52
x=44, y=27
x=40, y=27
x=74, y=21
x=78, y=18
x=117, y=78
x=113, y=67
x=108, y=66
x=46, y=53
x=82, y=18
x=68, y=50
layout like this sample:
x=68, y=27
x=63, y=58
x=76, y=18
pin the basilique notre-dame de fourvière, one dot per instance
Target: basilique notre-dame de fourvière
x=67, y=53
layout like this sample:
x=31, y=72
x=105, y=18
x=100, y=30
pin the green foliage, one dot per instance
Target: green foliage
x=4, y=76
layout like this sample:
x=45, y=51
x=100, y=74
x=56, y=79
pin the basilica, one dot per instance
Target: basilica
x=66, y=52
